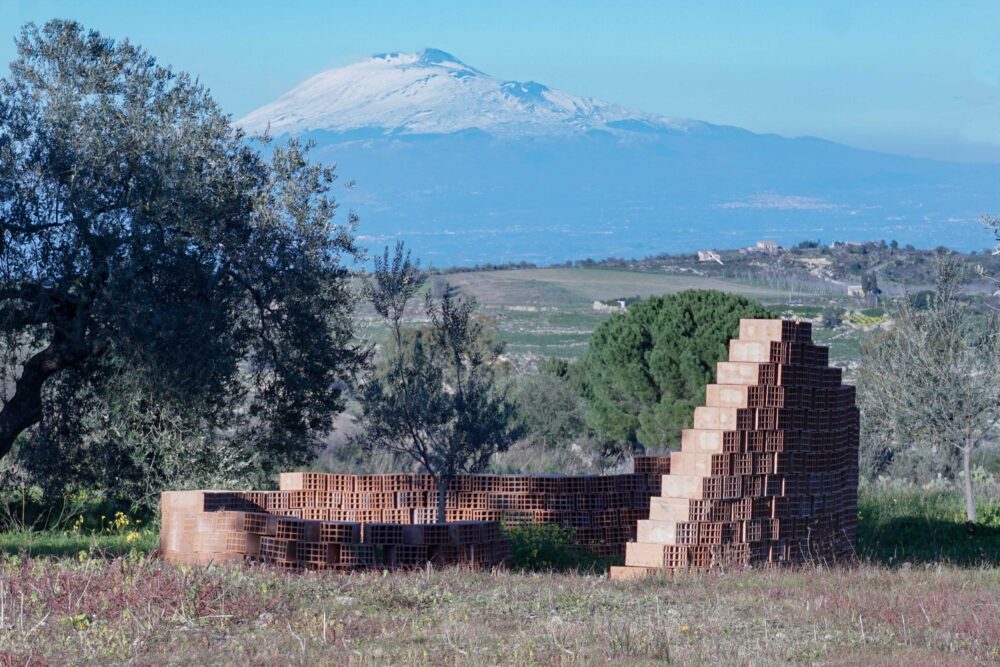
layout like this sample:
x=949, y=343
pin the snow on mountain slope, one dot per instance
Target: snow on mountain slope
x=433, y=92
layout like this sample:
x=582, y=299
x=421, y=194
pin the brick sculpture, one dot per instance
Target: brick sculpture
x=769, y=473
x=767, y=476
x=201, y=527
x=390, y=520
x=601, y=510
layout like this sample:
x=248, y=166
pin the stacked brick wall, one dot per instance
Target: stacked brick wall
x=601, y=510
x=768, y=475
x=201, y=527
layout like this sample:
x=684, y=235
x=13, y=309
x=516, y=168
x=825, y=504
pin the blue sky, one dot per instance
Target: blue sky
x=911, y=77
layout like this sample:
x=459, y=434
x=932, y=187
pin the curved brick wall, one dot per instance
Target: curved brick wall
x=201, y=527
x=602, y=510
x=390, y=520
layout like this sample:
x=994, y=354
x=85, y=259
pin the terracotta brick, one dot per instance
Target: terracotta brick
x=715, y=418
x=640, y=554
x=669, y=509
x=657, y=531
x=702, y=440
x=683, y=486
x=696, y=463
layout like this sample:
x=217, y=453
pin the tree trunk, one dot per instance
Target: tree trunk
x=24, y=409
x=970, y=499
x=442, y=498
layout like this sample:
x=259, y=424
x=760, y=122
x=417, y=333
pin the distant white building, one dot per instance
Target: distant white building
x=619, y=307
x=767, y=246
x=856, y=291
x=709, y=256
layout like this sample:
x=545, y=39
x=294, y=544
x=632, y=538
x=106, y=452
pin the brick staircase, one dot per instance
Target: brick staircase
x=769, y=473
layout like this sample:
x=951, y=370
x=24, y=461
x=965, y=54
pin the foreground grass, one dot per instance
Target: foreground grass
x=925, y=592
x=142, y=611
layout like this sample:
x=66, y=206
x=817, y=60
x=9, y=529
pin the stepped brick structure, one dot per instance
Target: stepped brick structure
x=769, y=473
x=767, y=476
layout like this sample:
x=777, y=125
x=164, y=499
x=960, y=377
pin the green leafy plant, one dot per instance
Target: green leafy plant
x=548, y=547
x=434, y=395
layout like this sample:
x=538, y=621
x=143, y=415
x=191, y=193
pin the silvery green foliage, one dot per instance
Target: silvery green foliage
x=434, y=394
x=552, y=413
x=160, y=281
x=929, y=388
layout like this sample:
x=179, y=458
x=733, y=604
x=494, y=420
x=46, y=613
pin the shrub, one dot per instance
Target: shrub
x=547, y=547
x=833, y=317
x=30, y=508
x=863, y=320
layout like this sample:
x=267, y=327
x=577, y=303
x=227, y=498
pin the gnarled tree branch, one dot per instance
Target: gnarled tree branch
x=24, y=409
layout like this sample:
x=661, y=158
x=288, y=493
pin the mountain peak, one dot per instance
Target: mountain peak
x=437, y=57
x=433, y=92
x=427, y=57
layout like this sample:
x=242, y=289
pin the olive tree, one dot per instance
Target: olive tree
x=434, y=394
x=930, y=382
x=146, y=247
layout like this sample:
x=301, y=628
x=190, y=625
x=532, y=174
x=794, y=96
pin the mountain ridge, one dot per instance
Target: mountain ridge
x=433, y=92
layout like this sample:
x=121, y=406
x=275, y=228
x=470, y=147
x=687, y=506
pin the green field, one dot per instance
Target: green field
x=581, y=286
x=549, y=312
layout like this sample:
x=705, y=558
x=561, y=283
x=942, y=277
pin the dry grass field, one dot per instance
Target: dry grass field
x=139, y=611
x=924, y=591
x=549, y=312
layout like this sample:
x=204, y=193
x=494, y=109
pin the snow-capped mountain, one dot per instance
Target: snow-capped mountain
x=433, y=92
x=469, y=169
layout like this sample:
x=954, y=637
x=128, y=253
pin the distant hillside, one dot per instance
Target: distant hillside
x=832, y=267
x=807, y=265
